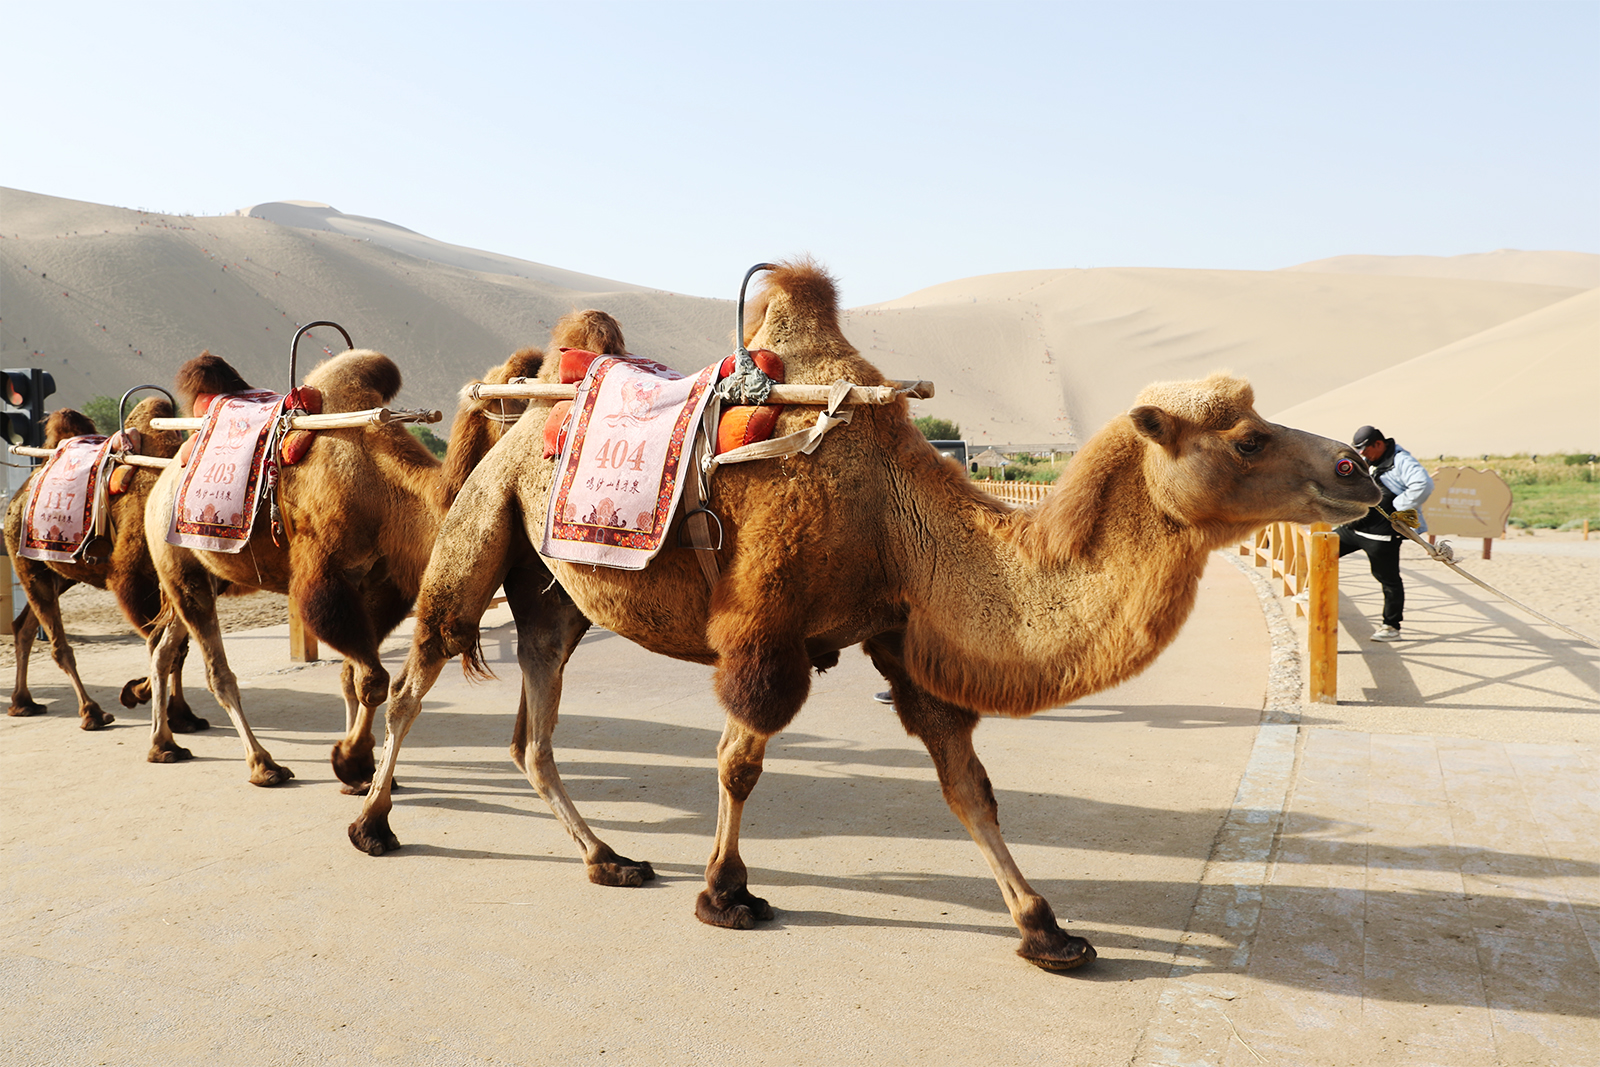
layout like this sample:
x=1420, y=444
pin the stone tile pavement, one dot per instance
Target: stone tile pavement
x=1388, y=891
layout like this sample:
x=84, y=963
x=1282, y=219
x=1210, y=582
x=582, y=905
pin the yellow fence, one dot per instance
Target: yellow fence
x=1306, y=560
x=1023, y=494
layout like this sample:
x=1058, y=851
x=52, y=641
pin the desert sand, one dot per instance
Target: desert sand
x=1490, y=352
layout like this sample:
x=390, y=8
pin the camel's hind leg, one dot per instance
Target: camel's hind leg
x=549, y=628
x=946, y=730
x=180, y=716
x=23, y=631
x=726, y=900
x=195, y=605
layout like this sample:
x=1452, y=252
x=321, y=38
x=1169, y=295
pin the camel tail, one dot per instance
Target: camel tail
x=473, y=665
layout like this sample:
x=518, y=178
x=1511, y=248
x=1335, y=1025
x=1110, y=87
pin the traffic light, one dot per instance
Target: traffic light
x=22, y=394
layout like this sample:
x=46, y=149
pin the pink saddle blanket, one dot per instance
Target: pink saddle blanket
x=618, y=475
x=220, y=488
x=64, y=500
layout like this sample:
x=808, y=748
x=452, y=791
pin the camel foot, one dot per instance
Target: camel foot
x=371, y=834
x=268, y=773
x=1060, y=952
x=91, y=717
x=180, y=720
x=354, y=766
x=170, y=752
x=26, y=707
x=736, y=909
x=612, y=869
x=135, y=692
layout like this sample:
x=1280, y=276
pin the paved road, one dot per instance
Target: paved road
x=1287, y=887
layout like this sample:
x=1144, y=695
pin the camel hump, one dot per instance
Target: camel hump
x=207, y=375
x=524, y=363
x=356, y=380
x=160, y=443
x=591, y=330
x=797, y=289
x=63, y=423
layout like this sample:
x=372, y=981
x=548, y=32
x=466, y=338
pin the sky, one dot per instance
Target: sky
x=902, y=144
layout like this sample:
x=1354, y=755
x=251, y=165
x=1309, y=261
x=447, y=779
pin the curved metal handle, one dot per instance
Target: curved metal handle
x=122, y=405
x=294, y=346
x=739, y=336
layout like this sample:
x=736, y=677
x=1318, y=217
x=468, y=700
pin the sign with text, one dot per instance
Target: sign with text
x=1468, y=503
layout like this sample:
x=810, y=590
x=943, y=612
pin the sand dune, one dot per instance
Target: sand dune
x=106, y=298
x=1577, y=269
x=1528, y=385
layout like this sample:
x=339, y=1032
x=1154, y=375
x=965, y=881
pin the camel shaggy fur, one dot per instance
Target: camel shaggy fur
x=967, y=606
x=123, y=567
x=360, y=513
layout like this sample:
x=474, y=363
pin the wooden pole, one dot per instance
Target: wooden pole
x=1487, y=541
x=1322, y=639
x=302, y=642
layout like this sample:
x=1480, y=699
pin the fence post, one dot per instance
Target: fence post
x=1323, y=637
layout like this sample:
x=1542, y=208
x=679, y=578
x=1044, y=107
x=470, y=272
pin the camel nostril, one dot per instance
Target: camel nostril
x=1345, y=467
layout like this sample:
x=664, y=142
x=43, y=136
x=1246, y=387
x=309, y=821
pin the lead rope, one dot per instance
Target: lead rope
x=1446, y=555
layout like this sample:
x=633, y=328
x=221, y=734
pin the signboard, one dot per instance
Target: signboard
x=1468, y=503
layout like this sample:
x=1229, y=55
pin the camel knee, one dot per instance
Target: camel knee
x=372, y=684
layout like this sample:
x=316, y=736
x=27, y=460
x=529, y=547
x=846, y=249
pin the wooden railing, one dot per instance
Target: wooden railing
x=1023, y=494
x=1306, y=560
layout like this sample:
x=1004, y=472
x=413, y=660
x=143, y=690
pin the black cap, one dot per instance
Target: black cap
x=1365, y=436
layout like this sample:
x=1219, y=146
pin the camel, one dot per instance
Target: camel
x=125, y=569
x=360, y=513
x=967, y=606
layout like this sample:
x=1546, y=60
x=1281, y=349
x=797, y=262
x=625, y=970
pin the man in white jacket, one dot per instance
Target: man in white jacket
x=1405, y=485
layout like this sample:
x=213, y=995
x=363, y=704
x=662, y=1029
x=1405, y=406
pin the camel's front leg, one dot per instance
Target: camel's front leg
x=23, y=631
x=726, y=900
x=370, y=831
x=946, y=730
x=197, y=609
x=46, y=605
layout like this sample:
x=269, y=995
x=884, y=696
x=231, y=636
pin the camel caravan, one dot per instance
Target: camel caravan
x=760, y=517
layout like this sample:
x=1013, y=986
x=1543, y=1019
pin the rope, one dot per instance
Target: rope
x=1446, y=555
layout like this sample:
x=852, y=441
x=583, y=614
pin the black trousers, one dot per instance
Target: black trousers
x=1384, y=558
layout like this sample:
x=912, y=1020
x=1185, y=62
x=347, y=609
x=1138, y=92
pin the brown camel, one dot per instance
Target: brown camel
x=124, y=567
x=360, y=513
x=967, y=606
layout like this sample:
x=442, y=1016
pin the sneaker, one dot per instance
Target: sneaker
x=884, y=697
x=1387, y=633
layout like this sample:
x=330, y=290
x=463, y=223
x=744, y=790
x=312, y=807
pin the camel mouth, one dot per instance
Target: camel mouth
x=1336, y=510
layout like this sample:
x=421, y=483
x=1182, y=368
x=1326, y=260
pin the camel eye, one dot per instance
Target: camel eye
x=1248, y=446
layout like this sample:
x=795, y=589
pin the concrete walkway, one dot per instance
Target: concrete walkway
x=1373, y=883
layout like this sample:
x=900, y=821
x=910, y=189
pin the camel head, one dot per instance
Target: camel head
x=64, y=423
x=1211, y=462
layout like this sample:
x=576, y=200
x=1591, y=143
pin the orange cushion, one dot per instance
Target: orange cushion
x=184, y=450
x=306, y=399
x=121, y=479
x=296, y=443
x=745, y=424
x=555, y=428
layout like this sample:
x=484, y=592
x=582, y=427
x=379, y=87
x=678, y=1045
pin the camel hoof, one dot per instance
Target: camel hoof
x=268, y=773
x=621, y=871
x=92, y=718
x=1064, y=953
x=26, y=708
x=168, y=753
x=354, y=767
x=184, y=721
x=373, y=836
x=130, y=692
x=737, y=909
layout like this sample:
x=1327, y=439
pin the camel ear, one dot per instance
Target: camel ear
x=1155, y=424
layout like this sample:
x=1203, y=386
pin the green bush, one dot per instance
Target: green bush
x=937, y=429
x=432, y=441
x=1547, y=491
x=103, y=410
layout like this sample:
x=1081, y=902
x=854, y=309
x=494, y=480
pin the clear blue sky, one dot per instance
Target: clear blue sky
x=903, y=144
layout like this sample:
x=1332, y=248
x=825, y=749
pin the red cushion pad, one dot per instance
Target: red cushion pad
x=555, y=428
x=296, y=443
x=770, y=363
x=575, y=364
x=184, y=450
